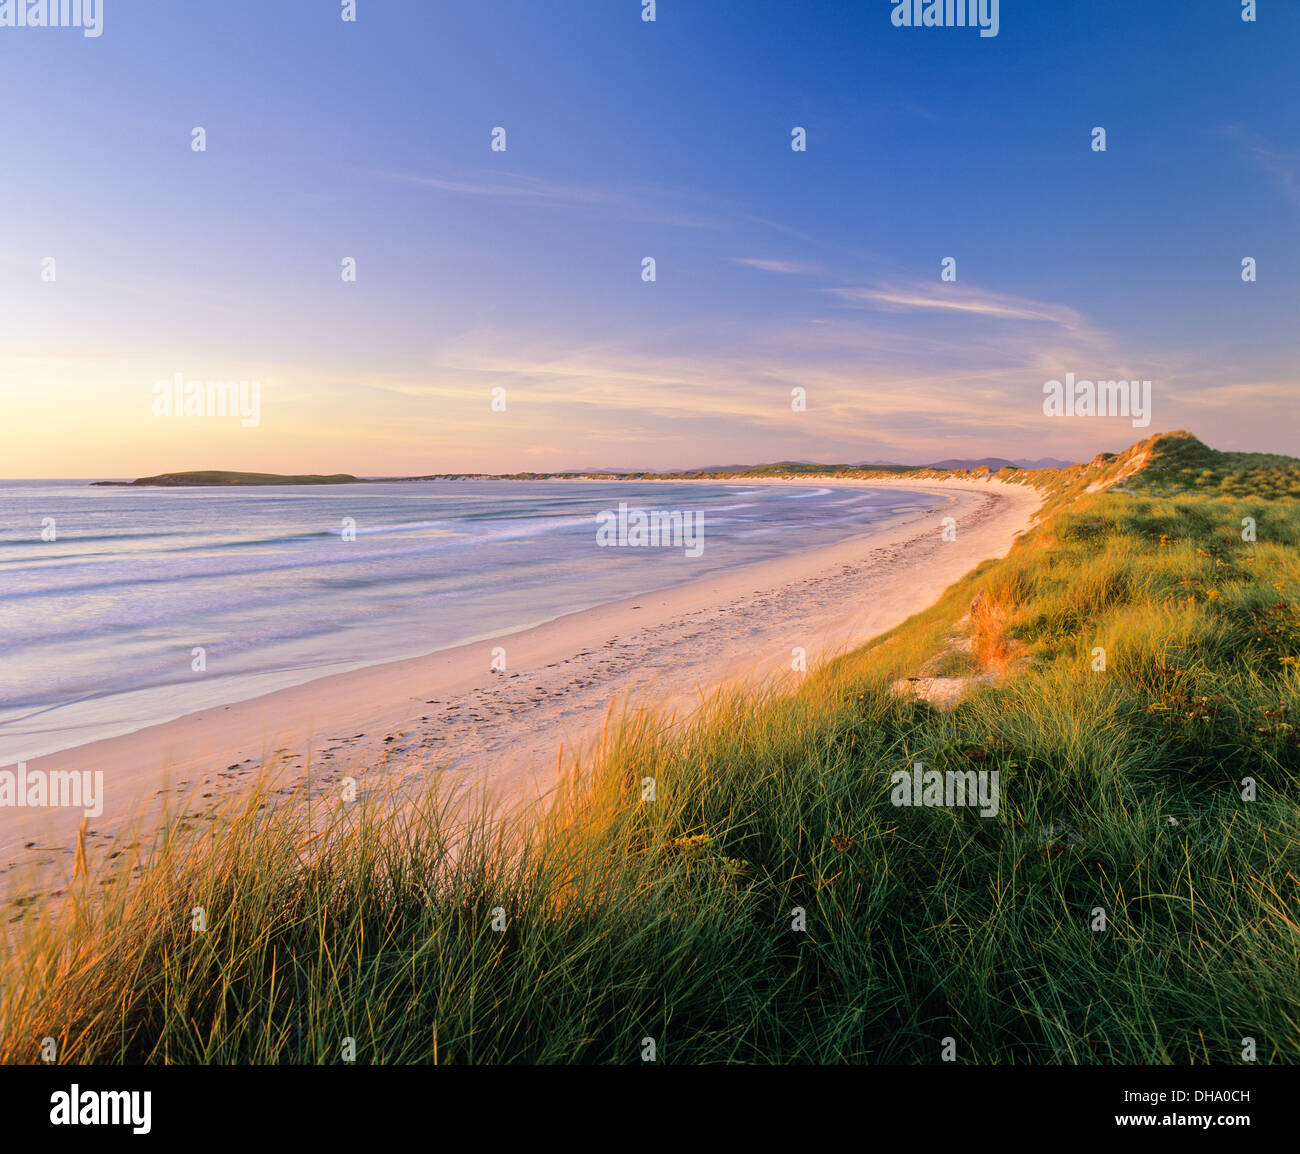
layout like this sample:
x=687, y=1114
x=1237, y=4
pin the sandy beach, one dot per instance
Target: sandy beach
x=448, y=712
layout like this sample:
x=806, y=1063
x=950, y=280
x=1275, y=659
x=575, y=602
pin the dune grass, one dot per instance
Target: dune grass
x=743, y=890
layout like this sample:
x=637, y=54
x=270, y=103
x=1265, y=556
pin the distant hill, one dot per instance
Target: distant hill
x=217, y=477
x=1001, y=463
x=1045, y=463
x=992, y=463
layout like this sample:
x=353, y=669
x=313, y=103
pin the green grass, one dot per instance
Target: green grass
x=671, y=919
x=1181, y=463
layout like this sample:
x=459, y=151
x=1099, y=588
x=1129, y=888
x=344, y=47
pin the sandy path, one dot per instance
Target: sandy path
x=407, y=718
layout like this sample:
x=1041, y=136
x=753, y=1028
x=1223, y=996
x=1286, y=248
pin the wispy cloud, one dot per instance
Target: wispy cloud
x=951, y=298
x=650, y=204
x=1279, y=163
x=791, y=267
x=911, y=106
x=512, y=186
x=865, y=378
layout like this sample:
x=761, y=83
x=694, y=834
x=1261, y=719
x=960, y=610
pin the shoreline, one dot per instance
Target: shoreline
x=261, y=683
x=391, y=724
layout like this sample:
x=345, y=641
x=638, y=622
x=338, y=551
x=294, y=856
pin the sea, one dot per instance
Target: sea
x=125, y=607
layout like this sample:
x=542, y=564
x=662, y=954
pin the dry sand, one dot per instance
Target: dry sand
x=447, y=712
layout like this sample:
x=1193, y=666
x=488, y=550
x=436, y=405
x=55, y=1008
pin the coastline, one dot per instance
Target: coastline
x=391, y=724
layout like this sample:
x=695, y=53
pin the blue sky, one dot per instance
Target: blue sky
x=625, y=139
